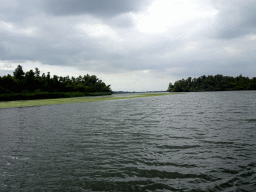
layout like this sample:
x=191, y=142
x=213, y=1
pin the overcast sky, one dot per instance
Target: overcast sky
x=135, y=45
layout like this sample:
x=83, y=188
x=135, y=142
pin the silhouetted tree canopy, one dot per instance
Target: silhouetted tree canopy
x=32, y=82
x=18, y=73
x=213, y=83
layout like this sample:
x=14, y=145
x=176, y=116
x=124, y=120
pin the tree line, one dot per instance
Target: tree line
x=213, y=83
x=32, y=82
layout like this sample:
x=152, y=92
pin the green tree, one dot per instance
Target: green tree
x=18, y=73
x=37, y=73
x=30, y=80
x=170, y=87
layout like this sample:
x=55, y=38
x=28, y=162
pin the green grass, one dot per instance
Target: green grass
x=29, y=103
x=47, y=95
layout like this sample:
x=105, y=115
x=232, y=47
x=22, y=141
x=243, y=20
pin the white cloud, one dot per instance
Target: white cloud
x=98, y=30
x=253, y=37
x=165, y=15
x=11, y=28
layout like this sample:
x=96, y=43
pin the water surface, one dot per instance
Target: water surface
x=186, y=142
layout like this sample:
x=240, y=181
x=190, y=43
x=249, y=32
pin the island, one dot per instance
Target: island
x=31, y=85
x=213, y=83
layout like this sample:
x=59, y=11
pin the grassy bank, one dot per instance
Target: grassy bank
x=28, y=103
x=47, y=95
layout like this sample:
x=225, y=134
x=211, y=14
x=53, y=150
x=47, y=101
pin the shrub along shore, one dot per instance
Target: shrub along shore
x=29, y=103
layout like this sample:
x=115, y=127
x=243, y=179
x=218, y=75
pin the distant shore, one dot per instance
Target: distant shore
x=40, y=102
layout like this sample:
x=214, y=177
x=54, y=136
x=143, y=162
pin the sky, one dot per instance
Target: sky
x=135, y=45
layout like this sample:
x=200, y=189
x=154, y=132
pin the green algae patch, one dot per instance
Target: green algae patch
x=29, y=103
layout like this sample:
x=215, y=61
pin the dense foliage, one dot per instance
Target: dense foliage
x=213, y=83
x=31, y=85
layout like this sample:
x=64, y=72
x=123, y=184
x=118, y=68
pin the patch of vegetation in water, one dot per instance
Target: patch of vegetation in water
x=47, y=95
x=29, y=103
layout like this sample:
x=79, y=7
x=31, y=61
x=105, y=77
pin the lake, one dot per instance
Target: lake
x=186, y=142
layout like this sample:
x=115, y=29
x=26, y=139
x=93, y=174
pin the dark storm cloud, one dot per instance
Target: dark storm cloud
x=98, y=8
x=56, y=40
x=17, y=11
x=235, y=18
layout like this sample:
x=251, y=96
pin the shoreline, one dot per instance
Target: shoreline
x=41, y=102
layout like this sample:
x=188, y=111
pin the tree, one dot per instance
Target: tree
x=93, y=79
x=18, y=73
x=48, y=77
x=8, y=83
x=214, y=83
x=30, y=80
x=171, y=87
x=37, y=73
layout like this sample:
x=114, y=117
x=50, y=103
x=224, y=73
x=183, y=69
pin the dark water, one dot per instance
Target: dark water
x=187, y=142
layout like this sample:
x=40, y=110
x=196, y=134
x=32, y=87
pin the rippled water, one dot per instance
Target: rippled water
x=186, y=142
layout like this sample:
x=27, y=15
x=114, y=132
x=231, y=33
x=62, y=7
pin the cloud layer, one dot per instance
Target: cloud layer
x=132, y=45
